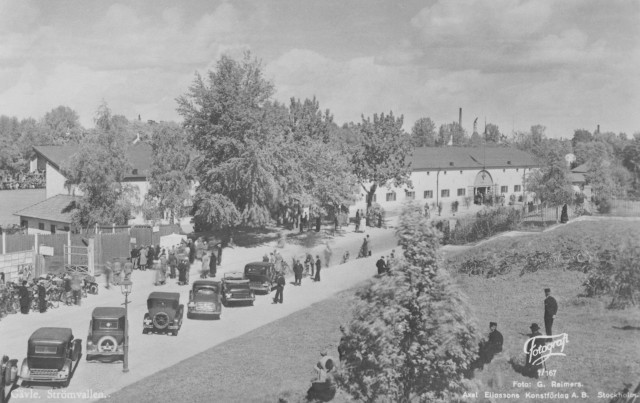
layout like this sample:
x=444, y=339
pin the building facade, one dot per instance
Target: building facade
x=463, y=174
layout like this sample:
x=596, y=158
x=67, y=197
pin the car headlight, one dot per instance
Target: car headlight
x=191, y=304
x=24, y=370
x=228, y=295
x=64, y=373
x=147, y=321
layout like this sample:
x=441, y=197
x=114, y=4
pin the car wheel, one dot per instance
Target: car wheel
x=161, y=320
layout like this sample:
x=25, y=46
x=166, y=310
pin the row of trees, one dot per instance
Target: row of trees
x=424, y=134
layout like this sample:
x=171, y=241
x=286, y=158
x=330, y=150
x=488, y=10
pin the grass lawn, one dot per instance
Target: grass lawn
x=273, y=361
x=277, y=360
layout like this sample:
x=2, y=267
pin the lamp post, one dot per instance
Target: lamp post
x=125, y=287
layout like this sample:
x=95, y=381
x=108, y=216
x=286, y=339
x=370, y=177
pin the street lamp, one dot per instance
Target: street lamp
x=125, y=287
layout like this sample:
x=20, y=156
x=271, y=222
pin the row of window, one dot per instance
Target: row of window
x=428, y=194
x=41, y=226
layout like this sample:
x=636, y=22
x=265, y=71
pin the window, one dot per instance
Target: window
x=53, y=229
x=108, y=324
x=461, y=191
x=391, y=196
x=40, y=349
x=24, y=223
x=428, y=194
x=504, y=189
x=411, y=195
x=444, y=193
x=66, y=228
x=517, y=188
x=374, y=198
x=41, y=225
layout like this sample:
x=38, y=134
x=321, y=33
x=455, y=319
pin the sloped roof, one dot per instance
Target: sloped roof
x=426, y=158
x=138, y=155
x=583, y=168
x=50, y=209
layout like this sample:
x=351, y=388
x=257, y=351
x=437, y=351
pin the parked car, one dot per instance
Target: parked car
x=261, y=276
x=204, y=299
x=52, y=355
x=236, y=289
x=105, y=341
x=165, y=313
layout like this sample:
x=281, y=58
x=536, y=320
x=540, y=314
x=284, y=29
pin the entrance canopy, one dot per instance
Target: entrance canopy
x=483, y=179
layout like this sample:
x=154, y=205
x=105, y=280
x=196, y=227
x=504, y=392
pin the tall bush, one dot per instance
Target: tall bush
x=412, y=336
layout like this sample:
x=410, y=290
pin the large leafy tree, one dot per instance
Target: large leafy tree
x=492, y=133
x=171, y=175
x=551, y=182
x=423, y=133
x=256, y=156
x=382, y=156
x=63, y=124
x=581, y=136
x=452, y=132
x=412, y=336
x=97, y=171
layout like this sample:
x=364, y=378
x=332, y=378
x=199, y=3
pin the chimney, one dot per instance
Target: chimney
x=460, y=117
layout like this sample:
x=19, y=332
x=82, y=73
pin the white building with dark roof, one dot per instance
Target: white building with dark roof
x=448, y=174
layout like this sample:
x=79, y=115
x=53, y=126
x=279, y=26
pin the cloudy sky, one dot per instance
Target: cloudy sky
x=565, y=64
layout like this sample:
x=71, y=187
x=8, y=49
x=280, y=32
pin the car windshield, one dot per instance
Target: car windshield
x=205, y=291
x=238, y=286
x=256, y=270
x=105, y=324
x=160, y=303
x=48, y=350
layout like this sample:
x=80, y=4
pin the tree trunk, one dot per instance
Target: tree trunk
x=370, y=194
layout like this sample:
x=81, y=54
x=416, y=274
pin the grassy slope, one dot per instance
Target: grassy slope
x=277, y=359
x=272, y=361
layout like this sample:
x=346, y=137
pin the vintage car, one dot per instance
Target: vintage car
x=165, y=313
x=105, y=341
x=204, y=299
x=236, y=289
x=52, y=355
x=261, y=276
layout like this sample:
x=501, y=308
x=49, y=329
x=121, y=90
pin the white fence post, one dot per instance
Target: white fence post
x=36, y=242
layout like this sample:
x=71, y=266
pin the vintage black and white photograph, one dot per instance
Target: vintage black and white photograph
x=296, y=201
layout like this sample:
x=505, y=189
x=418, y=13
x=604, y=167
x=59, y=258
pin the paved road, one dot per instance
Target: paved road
x=151, y=353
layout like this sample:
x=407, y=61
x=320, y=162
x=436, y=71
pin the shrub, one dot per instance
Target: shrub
x=454, y=206
x=603, y=204
x=412, y=336
x=616, y=273
x=486, y=223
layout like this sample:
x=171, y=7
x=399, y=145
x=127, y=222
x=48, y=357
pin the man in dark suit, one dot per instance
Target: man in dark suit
x=280, y=282
x=532, y=365
x=550, y=311
x=318, y=266
x=381, y=265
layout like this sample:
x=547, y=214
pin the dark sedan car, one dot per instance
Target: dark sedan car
x=204, y=299
x=105, y=341
x=236, y=289
x=261, y=276
x=165, y=313
x=52, y=355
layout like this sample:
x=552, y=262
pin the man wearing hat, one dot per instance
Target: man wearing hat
x=381, y=265
x=531, y=369
x=550, y=311
x=491, y=346
x=280, y=282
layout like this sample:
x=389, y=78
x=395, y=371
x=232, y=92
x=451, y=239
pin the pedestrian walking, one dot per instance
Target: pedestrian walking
x=206, y=259
x=76, y=287
x=117, y=272
x=220, y=253
x=151, y=255
x=357, y=220
x=143, y=259
x=42, y=297
x=327, y=254
x=309, y=265
x=108, y=272
x=280, y=282
x=318, y=267
x=192, y=252
x=550, y=311
x=173, y=264
x=25, y=298
x=128, y=269
x=381, y=265
x=213, y=268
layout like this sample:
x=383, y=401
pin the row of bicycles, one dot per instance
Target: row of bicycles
x=57, y=293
